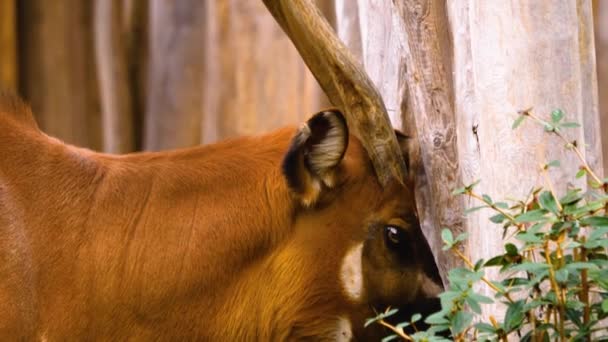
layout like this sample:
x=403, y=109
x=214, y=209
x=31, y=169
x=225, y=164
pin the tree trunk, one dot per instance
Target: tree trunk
x=398, y=57
x=506, y=54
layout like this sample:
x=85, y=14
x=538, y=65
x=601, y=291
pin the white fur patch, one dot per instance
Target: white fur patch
x=328, y=153
x=344, y=331
x=351, y=273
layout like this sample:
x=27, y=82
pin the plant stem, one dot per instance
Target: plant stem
x=399, y=332
x=484, y=279
x=584, y=293
x=545, y=173
x=558, y=293
x=499, y=210
x=574, y=147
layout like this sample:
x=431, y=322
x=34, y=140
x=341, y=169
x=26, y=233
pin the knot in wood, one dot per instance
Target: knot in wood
x=437, y=140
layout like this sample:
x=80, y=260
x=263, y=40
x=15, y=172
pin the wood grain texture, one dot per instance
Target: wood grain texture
x=112, y=57
x=510, y=56
x=344, y=81
x=174, y=74
x=254, y=79
x=382, y=46
x=601, y=48
x=8, y=45
x=57, y=69
x=428, y=106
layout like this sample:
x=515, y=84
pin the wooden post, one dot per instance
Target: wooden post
x=509, y=56
x=406, y=53
x=461, y=73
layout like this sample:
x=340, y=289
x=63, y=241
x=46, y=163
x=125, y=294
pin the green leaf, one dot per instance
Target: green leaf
x=553, y=163
x=415, y=318
x=548, y=202
x=571, y=197
x=459, y=191
x=514, y=316
x=487, y=198
x=549, y=128
x=597, y=233
x=481, y=298
x=485, y=327
x=437, y=318
x=518, y=121
x=605, y=305
x=532, y=267
x=501, y=205
x=570, y=125
x=576, y=266
x=528, y=237
x=380, y=316
x=585, y=209
x=498, y=218
x=581, y=173
x=473, y=304
x=473, y=209
x=390, y=338
x=461, y=237
x=461, y=321
x=511, y=249
x=495, y=261
x=561, y=275
x=531, y=216
x=557, y=115
x=447, y=237
x=595, y=221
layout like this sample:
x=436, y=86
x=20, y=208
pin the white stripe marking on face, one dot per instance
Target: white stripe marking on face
x=344, y=331
x=351, y=273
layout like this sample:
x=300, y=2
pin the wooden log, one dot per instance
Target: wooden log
x=509, y=56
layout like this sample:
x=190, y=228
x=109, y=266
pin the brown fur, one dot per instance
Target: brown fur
x=206, y=243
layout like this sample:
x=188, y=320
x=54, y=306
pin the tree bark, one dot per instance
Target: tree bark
x=506, y=54
x=397, y=55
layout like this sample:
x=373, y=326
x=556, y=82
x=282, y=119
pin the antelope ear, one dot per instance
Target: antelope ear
x=316, y=150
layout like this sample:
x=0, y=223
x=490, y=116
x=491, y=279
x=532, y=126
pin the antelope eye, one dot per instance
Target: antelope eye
x=393, y=236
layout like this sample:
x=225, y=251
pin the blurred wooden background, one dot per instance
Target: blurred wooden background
x=121, y=76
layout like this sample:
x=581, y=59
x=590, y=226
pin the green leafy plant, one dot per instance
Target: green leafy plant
x=554, y=265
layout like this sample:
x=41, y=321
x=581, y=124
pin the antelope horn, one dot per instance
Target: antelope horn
x=344, y=81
